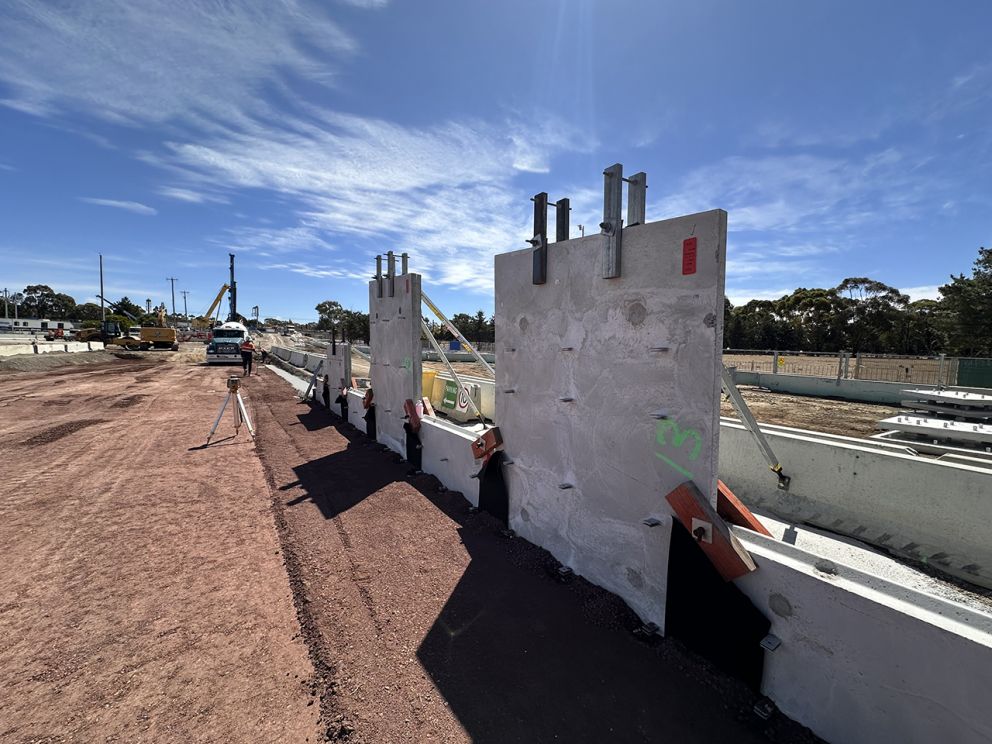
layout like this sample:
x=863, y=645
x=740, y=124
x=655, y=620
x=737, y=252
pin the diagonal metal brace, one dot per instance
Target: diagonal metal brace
x=752, y=426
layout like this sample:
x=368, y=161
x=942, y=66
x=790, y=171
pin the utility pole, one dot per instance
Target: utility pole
x=103, y=309
x=185, y=293
x=172, y=280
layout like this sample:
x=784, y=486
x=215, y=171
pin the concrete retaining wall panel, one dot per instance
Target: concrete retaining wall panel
x=916, y=507
x=337, y=365
x=395, y=369
x=625, y=350
x=311, y=362
x=297, y=358
x=863, y=660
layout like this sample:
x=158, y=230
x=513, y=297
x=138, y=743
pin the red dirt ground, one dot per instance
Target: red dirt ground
x=142, y=591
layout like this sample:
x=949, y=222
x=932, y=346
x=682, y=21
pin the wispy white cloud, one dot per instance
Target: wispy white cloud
x=6, y=167
x=317, y=271
x=160, y=60
x=130, y=206
x=445, y=192
x=188, y=195
x=366, y=4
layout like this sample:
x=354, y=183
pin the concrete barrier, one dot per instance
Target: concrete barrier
x=297, y=359
x=865, y=391
x=311, y=362
x=920, y=508
x=447, y=454
x=15, y=349
x=863, y=659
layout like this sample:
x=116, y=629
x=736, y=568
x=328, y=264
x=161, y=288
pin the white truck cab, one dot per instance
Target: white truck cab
x=225, y=342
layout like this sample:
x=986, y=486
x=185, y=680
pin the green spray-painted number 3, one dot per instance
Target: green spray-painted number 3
x=678, y=439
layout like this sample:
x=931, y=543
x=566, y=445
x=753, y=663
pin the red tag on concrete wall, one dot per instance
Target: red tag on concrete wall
x=688, y=256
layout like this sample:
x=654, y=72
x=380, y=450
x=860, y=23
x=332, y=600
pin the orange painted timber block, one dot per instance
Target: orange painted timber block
x=730, y=508
x=711, y=532
x=486, y=444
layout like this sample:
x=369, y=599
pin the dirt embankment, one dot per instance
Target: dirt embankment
x=817, y=414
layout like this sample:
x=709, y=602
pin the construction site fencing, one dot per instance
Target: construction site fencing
x=842, y=365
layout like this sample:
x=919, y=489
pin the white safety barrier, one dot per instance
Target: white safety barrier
x=863, y=659
x=925, y=509
x=15, y=349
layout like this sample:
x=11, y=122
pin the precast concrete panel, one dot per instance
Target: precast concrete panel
x=395, y=366
x=608, y=394
x=337, y=367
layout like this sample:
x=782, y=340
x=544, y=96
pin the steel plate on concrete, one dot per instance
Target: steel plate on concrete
x=607, y=395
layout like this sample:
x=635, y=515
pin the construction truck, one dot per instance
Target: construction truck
x=225, y=342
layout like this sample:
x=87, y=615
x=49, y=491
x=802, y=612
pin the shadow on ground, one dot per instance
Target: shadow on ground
x=521, y=656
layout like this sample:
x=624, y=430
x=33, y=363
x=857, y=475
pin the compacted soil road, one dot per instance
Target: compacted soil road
x=142, y=590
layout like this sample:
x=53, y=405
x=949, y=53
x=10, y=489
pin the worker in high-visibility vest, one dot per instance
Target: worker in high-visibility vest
x=247, y=356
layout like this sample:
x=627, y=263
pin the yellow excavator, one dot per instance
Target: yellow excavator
x=206, y=321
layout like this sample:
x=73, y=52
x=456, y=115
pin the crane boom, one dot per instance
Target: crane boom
x=216, y=302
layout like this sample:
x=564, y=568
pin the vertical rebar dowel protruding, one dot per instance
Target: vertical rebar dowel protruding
x=540, y=239
x=562, y=208
x=378, y=276
x=637, y=194
x=404, y=263
x=391, y=272
x=612, y=224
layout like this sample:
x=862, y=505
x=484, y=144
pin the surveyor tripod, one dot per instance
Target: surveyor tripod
x=240, y=413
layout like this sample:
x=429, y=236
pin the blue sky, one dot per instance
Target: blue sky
x=843, y=139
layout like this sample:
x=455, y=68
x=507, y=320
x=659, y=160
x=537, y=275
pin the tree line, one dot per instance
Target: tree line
x=41, y=301
x=858, y=315
x=864, y=315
